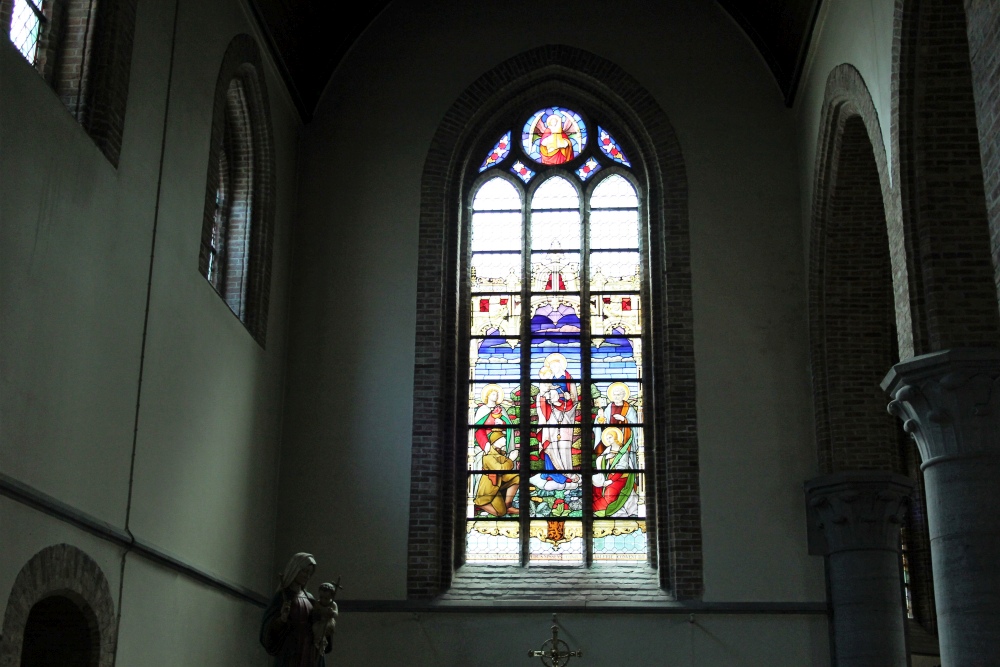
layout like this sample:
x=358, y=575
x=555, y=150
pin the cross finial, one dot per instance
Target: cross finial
x=555, y=652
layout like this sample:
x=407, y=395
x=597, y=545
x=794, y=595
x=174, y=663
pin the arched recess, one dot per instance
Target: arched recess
x=983, y=25
x=551, y=72
x=856, y=305
x=953, y=283
x=65, y=571
x=242, y=136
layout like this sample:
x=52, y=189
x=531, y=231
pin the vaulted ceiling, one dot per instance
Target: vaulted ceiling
x=311, y=37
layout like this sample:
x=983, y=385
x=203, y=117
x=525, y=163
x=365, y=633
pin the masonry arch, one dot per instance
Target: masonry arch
x=857, y=307
x=61, y=582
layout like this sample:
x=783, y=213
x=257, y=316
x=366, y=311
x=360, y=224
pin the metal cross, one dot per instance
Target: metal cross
x=555, y=652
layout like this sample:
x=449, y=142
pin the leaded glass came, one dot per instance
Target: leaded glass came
x=556, y=396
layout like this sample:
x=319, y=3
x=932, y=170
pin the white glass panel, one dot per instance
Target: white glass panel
x=614, y=191
x=496, y=230
x=557, y=192
x=614, y=229
x=497, y=194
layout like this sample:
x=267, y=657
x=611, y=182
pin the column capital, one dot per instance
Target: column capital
x=949, y=402
x=858, y=510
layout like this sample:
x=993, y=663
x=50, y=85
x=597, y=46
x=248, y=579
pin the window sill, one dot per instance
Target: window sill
x=635, y=583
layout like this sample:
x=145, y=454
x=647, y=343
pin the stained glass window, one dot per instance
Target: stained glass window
x=554, y=136
x=588, y=169
x=522, y=171
x=499, y=153
x=610, y=147
x=556, y=449
x=26, y=25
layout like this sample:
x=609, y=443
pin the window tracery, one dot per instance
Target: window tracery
x=556, y=452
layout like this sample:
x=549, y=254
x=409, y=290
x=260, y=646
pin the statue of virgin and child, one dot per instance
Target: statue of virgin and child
x=297, y=628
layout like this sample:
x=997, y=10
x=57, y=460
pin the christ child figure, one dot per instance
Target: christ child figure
x=324, y=615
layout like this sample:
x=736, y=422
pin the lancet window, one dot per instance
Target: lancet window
x=556, y=441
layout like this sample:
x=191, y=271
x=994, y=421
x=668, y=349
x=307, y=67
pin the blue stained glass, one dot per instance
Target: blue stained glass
x=498, y=154
x=522, y=171
x=610, y=147
x=554, y=135
x=589, y=168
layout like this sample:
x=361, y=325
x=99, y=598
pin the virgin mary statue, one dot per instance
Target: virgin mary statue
x=286, y=629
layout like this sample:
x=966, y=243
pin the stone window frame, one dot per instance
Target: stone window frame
x=241, y=127
x=553, y=72
x=66, y=571
x=85, y=55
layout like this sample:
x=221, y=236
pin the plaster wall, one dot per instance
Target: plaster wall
x=857, y=32
x=352, y=324
x=503, y=639
x=76, y=238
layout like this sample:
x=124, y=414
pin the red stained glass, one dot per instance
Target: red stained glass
x=626, y=304
x=497, y=155
x=484, y=305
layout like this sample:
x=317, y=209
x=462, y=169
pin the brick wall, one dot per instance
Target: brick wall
x=983, y=25
x=241, y=128
x=856, y=328
x=943, y=200
x=85, y=54
x=437, y=476
x=859, y=302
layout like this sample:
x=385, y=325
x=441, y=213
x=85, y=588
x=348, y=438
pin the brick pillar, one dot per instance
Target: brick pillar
x=949, y=402
x=983, y=24
x=854, y=520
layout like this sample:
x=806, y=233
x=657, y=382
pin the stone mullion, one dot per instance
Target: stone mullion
x=524, y=457
x=586, y=400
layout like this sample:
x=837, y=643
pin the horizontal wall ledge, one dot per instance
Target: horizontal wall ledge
x=32, y=497
x=582, y=607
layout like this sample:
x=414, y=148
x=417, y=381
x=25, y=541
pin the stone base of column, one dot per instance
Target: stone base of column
x=854, y=520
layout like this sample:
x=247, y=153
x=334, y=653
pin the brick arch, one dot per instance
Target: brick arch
x=851, y=292
x=64, y=570
x=240, y=105
x=543, y=73
x=953, y=283
x=859, y=308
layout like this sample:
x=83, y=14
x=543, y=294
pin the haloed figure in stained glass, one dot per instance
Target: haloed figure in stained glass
x=618, y=412
x=558, y=409
x=497, y=488
x=555, y=145
x=613, y=490
x=495, y=491
x=491, y=414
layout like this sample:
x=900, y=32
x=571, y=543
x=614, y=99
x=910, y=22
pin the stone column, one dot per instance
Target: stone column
x=949, y=402
x=854, y=520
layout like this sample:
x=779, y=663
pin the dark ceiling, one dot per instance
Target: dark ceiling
x=311, y=37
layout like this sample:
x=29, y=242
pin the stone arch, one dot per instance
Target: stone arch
x=62, y=570
x=551, y=70
x=953, y=284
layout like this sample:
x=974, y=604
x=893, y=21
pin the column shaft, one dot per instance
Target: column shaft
x=950, y=404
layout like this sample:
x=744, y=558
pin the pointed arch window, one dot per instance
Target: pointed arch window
x=556, y=471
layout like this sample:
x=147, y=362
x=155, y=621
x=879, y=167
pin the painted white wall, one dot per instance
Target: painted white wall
x=503, y=639
x=859, y=33
x=75, y=243
x=352, y=327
